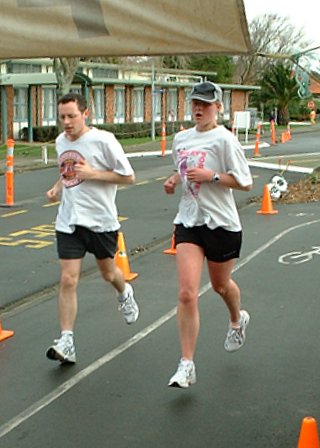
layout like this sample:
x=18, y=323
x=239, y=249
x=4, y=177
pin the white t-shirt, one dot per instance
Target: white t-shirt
x=209, y=203
x=89, y=203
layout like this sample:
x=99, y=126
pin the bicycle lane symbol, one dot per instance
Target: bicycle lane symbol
x=298, y=257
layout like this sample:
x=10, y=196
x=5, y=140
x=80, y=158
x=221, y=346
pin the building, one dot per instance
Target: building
x=116, y=94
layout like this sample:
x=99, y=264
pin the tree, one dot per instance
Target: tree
x=222, y=65
x=278, y=89
x=176, y=62
x=65, y=69
x=270, y=34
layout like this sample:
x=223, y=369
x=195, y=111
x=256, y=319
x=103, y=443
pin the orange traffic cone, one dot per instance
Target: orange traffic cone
x=10, y=173
x=172, y=250
x=266, y=208
x=163, y=140
x=182, y=128
x=122, y=261
x=5, y=334
x=309, y=434
x=273, y=133
x=258, y=135
x=289, y=132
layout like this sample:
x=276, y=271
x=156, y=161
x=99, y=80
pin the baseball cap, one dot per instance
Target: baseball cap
x=207, y=92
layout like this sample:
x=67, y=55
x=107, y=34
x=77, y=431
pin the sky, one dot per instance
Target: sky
x=302, y=14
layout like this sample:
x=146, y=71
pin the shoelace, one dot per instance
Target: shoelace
x=126, y=305
x=235, y=334
x=63, y=341
x=185, y=366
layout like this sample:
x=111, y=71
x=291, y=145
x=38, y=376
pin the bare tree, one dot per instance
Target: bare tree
x=65, y=69
x=270, y=34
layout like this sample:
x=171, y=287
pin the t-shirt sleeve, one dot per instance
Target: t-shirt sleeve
x=117, y=158
x=236, y=162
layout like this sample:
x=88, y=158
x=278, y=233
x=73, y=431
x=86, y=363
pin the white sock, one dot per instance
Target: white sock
x=68, y=333
x=187, y=360
x=235, y=324
x=122, y=296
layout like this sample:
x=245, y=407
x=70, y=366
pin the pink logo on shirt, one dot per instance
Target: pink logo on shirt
x=67, y=161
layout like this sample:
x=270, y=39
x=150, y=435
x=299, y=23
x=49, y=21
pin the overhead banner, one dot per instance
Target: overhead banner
x=84, y=28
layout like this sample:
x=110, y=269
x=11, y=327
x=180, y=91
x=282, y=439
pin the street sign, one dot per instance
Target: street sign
x=311, y=104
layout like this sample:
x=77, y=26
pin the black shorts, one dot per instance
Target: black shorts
x=75, y=245
x=219, y=244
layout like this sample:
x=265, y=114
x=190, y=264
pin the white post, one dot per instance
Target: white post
x=44, y=154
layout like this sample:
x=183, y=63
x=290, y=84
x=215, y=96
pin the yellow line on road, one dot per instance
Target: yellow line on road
x=144, y=182
x=52, y=204
x=19, y=212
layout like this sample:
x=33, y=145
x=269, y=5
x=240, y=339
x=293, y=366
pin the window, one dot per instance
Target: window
x=227, y=104
x=20, y=104
x=98, y=105
x=104, y=73
x=76, y=90
x=49, y=106
x=13, y=67
x=138, y=105
x=157, y=105
x=20, y=110
x=187, y=105
x=172, y=105
x=119, y=105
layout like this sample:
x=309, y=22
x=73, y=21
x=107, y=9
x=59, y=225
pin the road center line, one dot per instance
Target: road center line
x=67, y=385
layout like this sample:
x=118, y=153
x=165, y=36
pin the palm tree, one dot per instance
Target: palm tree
x=278, y=89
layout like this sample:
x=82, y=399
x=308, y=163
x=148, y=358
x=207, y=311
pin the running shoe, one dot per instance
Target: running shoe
x=63, y=350
x=128, y=306
x=185, y=374
x=236, y=337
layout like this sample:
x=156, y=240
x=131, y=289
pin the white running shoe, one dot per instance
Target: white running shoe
x=63, y=349
x=185, y=374
x=236, y=337
x=128, y=306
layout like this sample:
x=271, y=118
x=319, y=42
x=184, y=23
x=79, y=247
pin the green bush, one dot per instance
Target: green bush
x=40, y=133
x=120, y=130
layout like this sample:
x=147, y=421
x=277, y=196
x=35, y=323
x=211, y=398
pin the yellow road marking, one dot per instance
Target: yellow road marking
x=19, y=212
x=144, y=182
x=52, y=204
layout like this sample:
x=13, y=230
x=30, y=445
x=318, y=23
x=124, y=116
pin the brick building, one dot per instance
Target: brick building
x=116, y=94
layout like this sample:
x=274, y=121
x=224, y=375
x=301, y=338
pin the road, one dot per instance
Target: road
x=116, y=395
x=27, y=230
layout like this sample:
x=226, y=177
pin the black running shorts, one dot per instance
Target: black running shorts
x=75, y=245
x=219, y=244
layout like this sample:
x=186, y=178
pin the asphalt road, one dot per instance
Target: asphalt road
x=116, y=395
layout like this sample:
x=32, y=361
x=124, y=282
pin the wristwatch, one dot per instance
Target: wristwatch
x=215, y=178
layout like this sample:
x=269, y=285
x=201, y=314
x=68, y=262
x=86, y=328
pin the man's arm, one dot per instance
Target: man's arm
x=85, y=171
x=53, y=195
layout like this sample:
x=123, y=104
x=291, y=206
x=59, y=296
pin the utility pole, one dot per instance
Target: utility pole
x=153, y=133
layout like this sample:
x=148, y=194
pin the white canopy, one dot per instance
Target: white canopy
x=56, y=28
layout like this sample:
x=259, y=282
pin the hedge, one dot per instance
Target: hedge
x=120, y=130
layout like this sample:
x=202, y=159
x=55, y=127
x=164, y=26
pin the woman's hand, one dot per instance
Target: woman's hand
x=200, y=175
x=170, y=184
